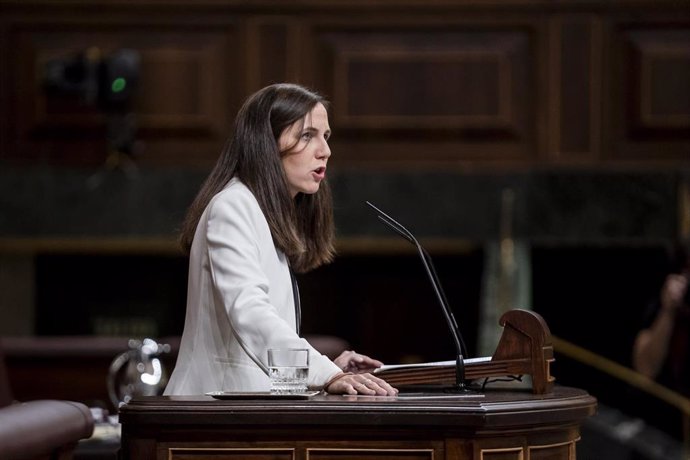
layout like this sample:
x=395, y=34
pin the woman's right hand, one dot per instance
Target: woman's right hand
x=364, y=384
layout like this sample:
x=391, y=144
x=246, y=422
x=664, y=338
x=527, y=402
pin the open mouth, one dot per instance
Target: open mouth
x=320, y=171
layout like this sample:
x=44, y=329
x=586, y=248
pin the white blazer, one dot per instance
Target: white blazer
x=239, y=303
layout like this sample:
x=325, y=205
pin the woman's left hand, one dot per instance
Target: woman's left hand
x=359, y=384
x=350, y=361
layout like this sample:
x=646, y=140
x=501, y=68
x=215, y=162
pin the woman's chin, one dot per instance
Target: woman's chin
x=310, y=190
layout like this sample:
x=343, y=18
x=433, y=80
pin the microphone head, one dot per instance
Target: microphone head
x=371, y=205
x=396, y=226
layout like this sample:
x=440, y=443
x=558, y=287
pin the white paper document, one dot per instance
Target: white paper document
x=388, y=367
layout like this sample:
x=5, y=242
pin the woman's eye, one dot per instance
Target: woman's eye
x=306, y=135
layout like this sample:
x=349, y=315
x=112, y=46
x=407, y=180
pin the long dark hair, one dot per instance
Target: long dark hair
x=302, y=228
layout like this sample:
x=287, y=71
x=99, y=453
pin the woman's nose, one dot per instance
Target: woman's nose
x=324, y=151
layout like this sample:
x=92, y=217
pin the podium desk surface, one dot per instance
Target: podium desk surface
x=487, y=409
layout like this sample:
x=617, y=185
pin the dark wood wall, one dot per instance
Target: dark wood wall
x=461, y=83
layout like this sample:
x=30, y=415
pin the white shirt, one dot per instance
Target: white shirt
x=239, y=303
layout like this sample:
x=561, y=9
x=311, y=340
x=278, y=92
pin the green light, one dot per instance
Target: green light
x=118, y=85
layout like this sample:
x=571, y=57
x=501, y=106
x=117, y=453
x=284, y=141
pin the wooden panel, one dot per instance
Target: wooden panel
x=182, y=80
x=548, y=446
x=423, y=88
x=575, y=47
x=404, y=80
x=502, y=454
x=654, y=117
x=663, y=64
x=450, y=88
x=459, y=83
x=553, y=451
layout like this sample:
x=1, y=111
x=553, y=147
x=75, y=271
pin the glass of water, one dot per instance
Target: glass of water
x=288, y=369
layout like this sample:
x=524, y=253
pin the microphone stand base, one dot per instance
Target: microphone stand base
x=459, y=389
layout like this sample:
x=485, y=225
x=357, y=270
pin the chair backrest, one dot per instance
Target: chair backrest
x=6, y=397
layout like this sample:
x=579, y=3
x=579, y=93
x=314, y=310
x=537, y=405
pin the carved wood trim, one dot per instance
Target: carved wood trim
x=322, y=453
x=270, y=452
x=487, y=453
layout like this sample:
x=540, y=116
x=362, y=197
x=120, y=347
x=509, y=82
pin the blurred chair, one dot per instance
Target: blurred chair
x=40, y=429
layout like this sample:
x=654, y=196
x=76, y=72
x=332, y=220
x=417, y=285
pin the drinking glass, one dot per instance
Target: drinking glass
x=288, y=369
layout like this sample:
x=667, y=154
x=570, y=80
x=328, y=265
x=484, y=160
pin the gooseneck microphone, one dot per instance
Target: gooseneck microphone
x=460, y=348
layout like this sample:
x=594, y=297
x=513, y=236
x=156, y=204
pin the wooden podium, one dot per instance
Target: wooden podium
x=422, y=423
